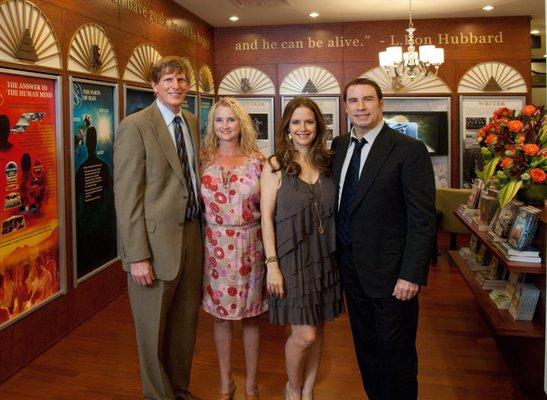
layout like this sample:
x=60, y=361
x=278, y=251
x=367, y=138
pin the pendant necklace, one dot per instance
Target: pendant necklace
x=320, y=228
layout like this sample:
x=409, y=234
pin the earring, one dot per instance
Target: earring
x=290, y=136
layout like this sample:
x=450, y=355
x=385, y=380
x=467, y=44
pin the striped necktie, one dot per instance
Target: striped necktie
x=192, y=207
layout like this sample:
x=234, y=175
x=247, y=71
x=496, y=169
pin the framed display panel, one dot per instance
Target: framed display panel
x=330, y=108
x=261, y=111
x=426, y=119
x=205, y=104
x=475, y=112
x=191, y=103
x=93, y=110
x=136, y=98
x=32, y=236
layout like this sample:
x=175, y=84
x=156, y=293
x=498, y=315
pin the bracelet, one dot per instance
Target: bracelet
x=271, y=259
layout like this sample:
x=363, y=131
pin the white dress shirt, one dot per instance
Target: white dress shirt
x=370, y=137
x=169, y=117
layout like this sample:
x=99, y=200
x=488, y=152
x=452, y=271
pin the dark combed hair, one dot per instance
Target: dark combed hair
x=363, y=81
x=168, y=65
x=285, y=152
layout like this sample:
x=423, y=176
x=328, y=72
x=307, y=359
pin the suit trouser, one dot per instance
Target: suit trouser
x=165, y=318
x=384, y=336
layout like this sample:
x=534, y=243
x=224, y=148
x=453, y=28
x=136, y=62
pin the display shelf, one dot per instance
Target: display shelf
x=502, y=322
x=529, y=268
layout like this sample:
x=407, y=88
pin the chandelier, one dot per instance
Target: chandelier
x=397, y=63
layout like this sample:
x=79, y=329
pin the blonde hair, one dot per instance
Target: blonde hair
x=247, y=132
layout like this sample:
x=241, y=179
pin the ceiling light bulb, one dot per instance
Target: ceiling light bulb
x=535, y=32
x=488, y=8
x=234, y=18
x=314, y=14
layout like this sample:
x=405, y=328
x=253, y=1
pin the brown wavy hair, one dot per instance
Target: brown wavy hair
x=285, y=153
x=247, y=133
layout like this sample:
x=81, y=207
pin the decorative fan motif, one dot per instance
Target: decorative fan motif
x=27, y=36
x=191, y=74
x=91, y=52
x=206, y=81
x=492, y=77
x=246, y=81
x=140, y=63
x=420, y=84
x=311, y=80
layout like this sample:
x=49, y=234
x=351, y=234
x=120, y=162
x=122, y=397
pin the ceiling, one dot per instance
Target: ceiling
x=282, y=12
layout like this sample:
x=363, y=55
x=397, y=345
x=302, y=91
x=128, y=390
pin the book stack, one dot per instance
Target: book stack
x=530, y=255
x=523, y=305
x=524, y=227
x=503, y=220
x=500, y=299
x=494, y=277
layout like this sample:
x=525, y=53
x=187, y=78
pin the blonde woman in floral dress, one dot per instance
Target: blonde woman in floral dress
x=233, y=284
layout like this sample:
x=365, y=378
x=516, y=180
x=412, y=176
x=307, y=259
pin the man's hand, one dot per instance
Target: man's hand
x=405, y=290
x=142, y=273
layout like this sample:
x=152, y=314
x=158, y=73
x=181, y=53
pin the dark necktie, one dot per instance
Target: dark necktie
x=192, y=207
x=343, y=229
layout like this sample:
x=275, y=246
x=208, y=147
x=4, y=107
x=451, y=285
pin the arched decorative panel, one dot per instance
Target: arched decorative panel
x=191, y=74
x=90, y=51
x=140, y=63
x=26, y=36
x=309, y=80
x=420, y=85
x=206, y=80
x=246, y=81
x=492, y=77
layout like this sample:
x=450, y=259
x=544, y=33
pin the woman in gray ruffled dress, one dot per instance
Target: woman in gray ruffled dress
x=297, y=205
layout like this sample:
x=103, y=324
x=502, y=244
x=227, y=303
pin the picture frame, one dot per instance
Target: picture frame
x=261, y=111
x=205, y=104
x=94, y=120
x=33, y=234
x=136, y=98
x=475, y=109
x=190, y=103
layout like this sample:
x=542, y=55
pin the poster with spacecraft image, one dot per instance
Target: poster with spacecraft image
x=94, y=117
x=32, y=262
x=261, y=112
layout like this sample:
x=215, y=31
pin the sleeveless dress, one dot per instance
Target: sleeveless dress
x=234, y=271
x=305, y=249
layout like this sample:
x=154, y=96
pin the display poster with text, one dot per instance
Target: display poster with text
x=29, y=215
x=93, y=127
x=137, y=99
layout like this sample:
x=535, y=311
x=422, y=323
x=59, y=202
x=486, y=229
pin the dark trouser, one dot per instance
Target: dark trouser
x=384, y=336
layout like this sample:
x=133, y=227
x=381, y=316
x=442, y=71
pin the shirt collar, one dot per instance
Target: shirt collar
x=371, y=135
x=167, y=114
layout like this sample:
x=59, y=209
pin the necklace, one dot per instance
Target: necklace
x=320, y=228
x=226, y=177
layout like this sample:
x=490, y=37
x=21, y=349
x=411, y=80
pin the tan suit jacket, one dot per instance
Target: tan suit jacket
x=151, y=193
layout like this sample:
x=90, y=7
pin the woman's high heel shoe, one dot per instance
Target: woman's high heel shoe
x=230, y=395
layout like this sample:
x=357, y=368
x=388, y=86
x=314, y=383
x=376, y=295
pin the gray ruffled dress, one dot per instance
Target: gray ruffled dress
x=306, y=242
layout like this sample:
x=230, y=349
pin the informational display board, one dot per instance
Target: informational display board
x=94, y=118
x=32, y=232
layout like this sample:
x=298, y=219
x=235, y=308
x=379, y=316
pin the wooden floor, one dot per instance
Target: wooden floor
x=458, y=356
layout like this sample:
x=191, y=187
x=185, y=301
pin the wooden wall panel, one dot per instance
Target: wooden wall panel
x=30, y=336
x=354, y=47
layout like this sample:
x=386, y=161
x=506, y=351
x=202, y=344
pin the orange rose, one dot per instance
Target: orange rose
x=529, y=110
x=491, y=139
x=506, y=162
x=502, y=113
x=537, y=175
x=515, y=125
x=531, y=149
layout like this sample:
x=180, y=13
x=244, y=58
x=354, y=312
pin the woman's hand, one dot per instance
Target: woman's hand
x=274, y=280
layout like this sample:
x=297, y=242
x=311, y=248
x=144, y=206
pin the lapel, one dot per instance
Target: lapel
x=339, y=156
x=165, y=141
x=192, y=128
x=376, y=157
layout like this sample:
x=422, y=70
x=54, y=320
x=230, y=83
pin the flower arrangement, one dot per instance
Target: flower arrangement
x=514, y=149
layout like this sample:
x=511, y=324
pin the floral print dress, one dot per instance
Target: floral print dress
x=234, y=271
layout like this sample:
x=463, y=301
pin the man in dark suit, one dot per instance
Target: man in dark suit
x=385, y=227
x=156, y=178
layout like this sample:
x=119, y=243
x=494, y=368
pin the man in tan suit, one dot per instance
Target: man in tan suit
x=156, y=178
